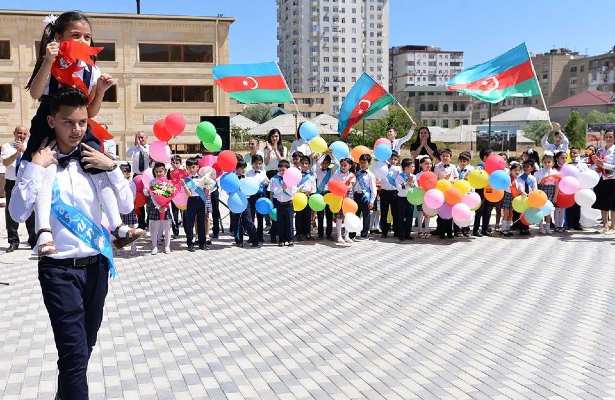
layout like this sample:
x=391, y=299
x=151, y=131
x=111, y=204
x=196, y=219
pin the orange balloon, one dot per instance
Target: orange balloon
x=444, y=185
x=453, y=196
x=493, y=195
x=537, y=199
x=349, y=206
x=358, y=151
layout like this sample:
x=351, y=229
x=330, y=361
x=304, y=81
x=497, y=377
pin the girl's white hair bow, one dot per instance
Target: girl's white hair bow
x=50, y=19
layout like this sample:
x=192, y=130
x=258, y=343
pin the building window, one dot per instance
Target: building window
x=176, y=94
x=108, y=52
x=445, y=123
x=445, y=109
x=5, y=50
x=6, y=93
x=111, y=95
x=150, y=52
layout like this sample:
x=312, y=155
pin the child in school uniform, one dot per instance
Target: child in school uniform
x=345, y=175
x=196, y=208
x=323, y=172
x=559, y=214
x=404, y=181
x=483, y=214
x=259, y=174
x=547, y=178
x=130, y=219
x=388, y=194
x=425, y=164
x=365, y=193
x=296, y=159
x=307, y=185
x=463, y=170
x=526, y=182
x=176, y=175
x=445, y=170
x=159, y=217
x=282, y=201
x=242, y=222
x=573, y=213
x=509, y=194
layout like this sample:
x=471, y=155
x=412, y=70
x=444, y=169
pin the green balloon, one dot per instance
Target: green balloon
x=317, y=202
x=215, y=145
x=274, y=215
x=206, y=132
x=415, y=196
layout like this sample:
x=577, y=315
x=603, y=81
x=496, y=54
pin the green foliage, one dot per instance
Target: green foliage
x=536, y=130
x=258, y=113
x=375, y=129
x=239, y=136
x=576, y=129
x=597, y=117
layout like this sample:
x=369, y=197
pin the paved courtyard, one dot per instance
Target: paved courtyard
x=483, y=318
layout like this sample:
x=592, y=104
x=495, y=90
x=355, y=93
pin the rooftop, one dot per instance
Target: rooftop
x=41, y=13
x=587, y=98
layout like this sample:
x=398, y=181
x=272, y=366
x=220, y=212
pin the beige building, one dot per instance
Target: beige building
x=436, y=106
x=162, y=64
x=309, y=105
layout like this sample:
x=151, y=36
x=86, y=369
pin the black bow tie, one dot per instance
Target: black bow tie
x=75, y=155
x=445, y=165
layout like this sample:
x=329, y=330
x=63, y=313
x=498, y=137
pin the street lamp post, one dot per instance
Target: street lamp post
x=138, y=6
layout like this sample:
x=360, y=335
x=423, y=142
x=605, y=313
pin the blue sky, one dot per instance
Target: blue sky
x=477, y=27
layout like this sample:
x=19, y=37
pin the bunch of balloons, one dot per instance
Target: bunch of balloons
x=166, y=129
x=576, y=186
x=206, y=132
x=309, y=132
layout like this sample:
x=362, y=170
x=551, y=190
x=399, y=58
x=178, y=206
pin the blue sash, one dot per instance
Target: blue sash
x=281, y=181
x=391, y=177
x=304, y=178
x=404, y=178
x=367, y=191
x=325, y=180
x=82, y=227
x=194, y=188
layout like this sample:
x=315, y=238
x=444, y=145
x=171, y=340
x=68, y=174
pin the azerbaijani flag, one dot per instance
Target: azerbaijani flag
x=508, y=75
x=365, y=98
x=253, y=83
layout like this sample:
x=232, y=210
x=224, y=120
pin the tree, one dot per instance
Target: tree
x=597, y=117
x=536, y=130
x=257, y=113
x=576, y=129
x=374, y=129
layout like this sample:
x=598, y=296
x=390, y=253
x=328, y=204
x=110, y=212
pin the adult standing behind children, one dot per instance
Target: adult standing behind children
x=422, y=146
x=274, y=152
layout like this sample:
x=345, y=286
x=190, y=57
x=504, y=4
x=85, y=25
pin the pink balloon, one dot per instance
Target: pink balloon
x=147, y=177
x=382, y=141
x=461, y=213
x=138, y=179
x=175, y=123
x=433, y=199
x=569, y=185
x=445, y=211
x=160, y=151
x=429, y=211
x=472, y=200
x=569, y=170
x=180, y=199
x=207, y=161
x=291, y=177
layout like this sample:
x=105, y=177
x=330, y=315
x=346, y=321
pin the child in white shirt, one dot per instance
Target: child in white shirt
x=404, y=181
x=425, y=164
x=365, y=192
x=547, y=178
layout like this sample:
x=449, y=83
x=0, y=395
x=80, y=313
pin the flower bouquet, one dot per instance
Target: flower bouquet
x=162, y=192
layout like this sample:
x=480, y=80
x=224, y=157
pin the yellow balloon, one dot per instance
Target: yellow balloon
x=463, y=186
x=334, y=202
x=300, y=201
x=444, y=185
x=519, y=204
x=478, y=178
x=318, y=145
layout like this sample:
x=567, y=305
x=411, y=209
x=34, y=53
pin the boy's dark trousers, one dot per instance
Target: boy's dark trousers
x=259, y=217
x=74, y=298
x=195, y=210
x=405, y=211
x=284, y=226
x=387, y=200
x=303, y=221
x=363, y=212
x=215, y=212
x=243, y=223
x=445, y=227
x=175, y=222
x=573, y=217
x=323, y=215
x=483, y=213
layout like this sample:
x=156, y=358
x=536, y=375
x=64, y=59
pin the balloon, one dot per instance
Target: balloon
x=444, y=185
x=568, y=185
x=227, y=161
x=339, y=149
x=358, y=151
x=352, y=223
x=383, y=152
x=463, y=186
x=349, y=206
x=494, y=163
x=180, y=199
x=533, y=215
x=318, y=145
x=291, y=177
x=161, y=132
x=478, y=178
x=219, y=171
x=229, y=182
x=206, y=132
x=564, y=200
x=427, y=180
x=147, y=177
x=237, y=202
x=589, y=216
x=264, y=206
x=300, y=201
x=519, y=204
x=249, y=186
x=499, y=180
x=337, y=187
x=207, y=161
x=334, y=202
x=317, y=202
x=274, y=215
x=445, y=212
x=138, y=180
x=537, y=199
x=308, y=131
x=140, y=199
x=588, y=179
x=569, y=170
x=472, y=200
x=380, y=170
x=175, y=123
x=430, y=212
x=160, y=151
x=493, y=195
x=415, y=196
x=585, y=197
x=548, y=208
x=214, y=145
x=461, y=213
x=433, y=199
x=452, y=196
x=523, y=220
x=382, y=141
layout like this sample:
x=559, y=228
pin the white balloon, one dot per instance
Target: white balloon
x=589, y=216
x=585, y=197
x=588, y=179
x=352, y=223
x=380, y=170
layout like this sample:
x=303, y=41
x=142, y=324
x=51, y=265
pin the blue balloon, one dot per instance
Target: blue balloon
x=339, y=149
x=533, y=215
x=237, y=202
x=308, y=131
x=548, y=208
x=383, y=152
x=229, y=182
x=248, y=186
x=499, y=180
x=264, y=206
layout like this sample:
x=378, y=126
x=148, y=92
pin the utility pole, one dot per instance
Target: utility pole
x=138, y=6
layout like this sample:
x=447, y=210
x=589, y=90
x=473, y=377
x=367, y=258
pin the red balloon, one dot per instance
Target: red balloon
x=524, y=221
x=161, y=132
x=138, y=179
x=338, y=188
x=175, y=123
x=428, y=180
x=494, y=162
x=219, y=171
x=140, y=200
x=227, y=161
x=564, y=200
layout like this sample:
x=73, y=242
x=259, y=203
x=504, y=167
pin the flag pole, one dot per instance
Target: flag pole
x=405, y=111
x=542, y=97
